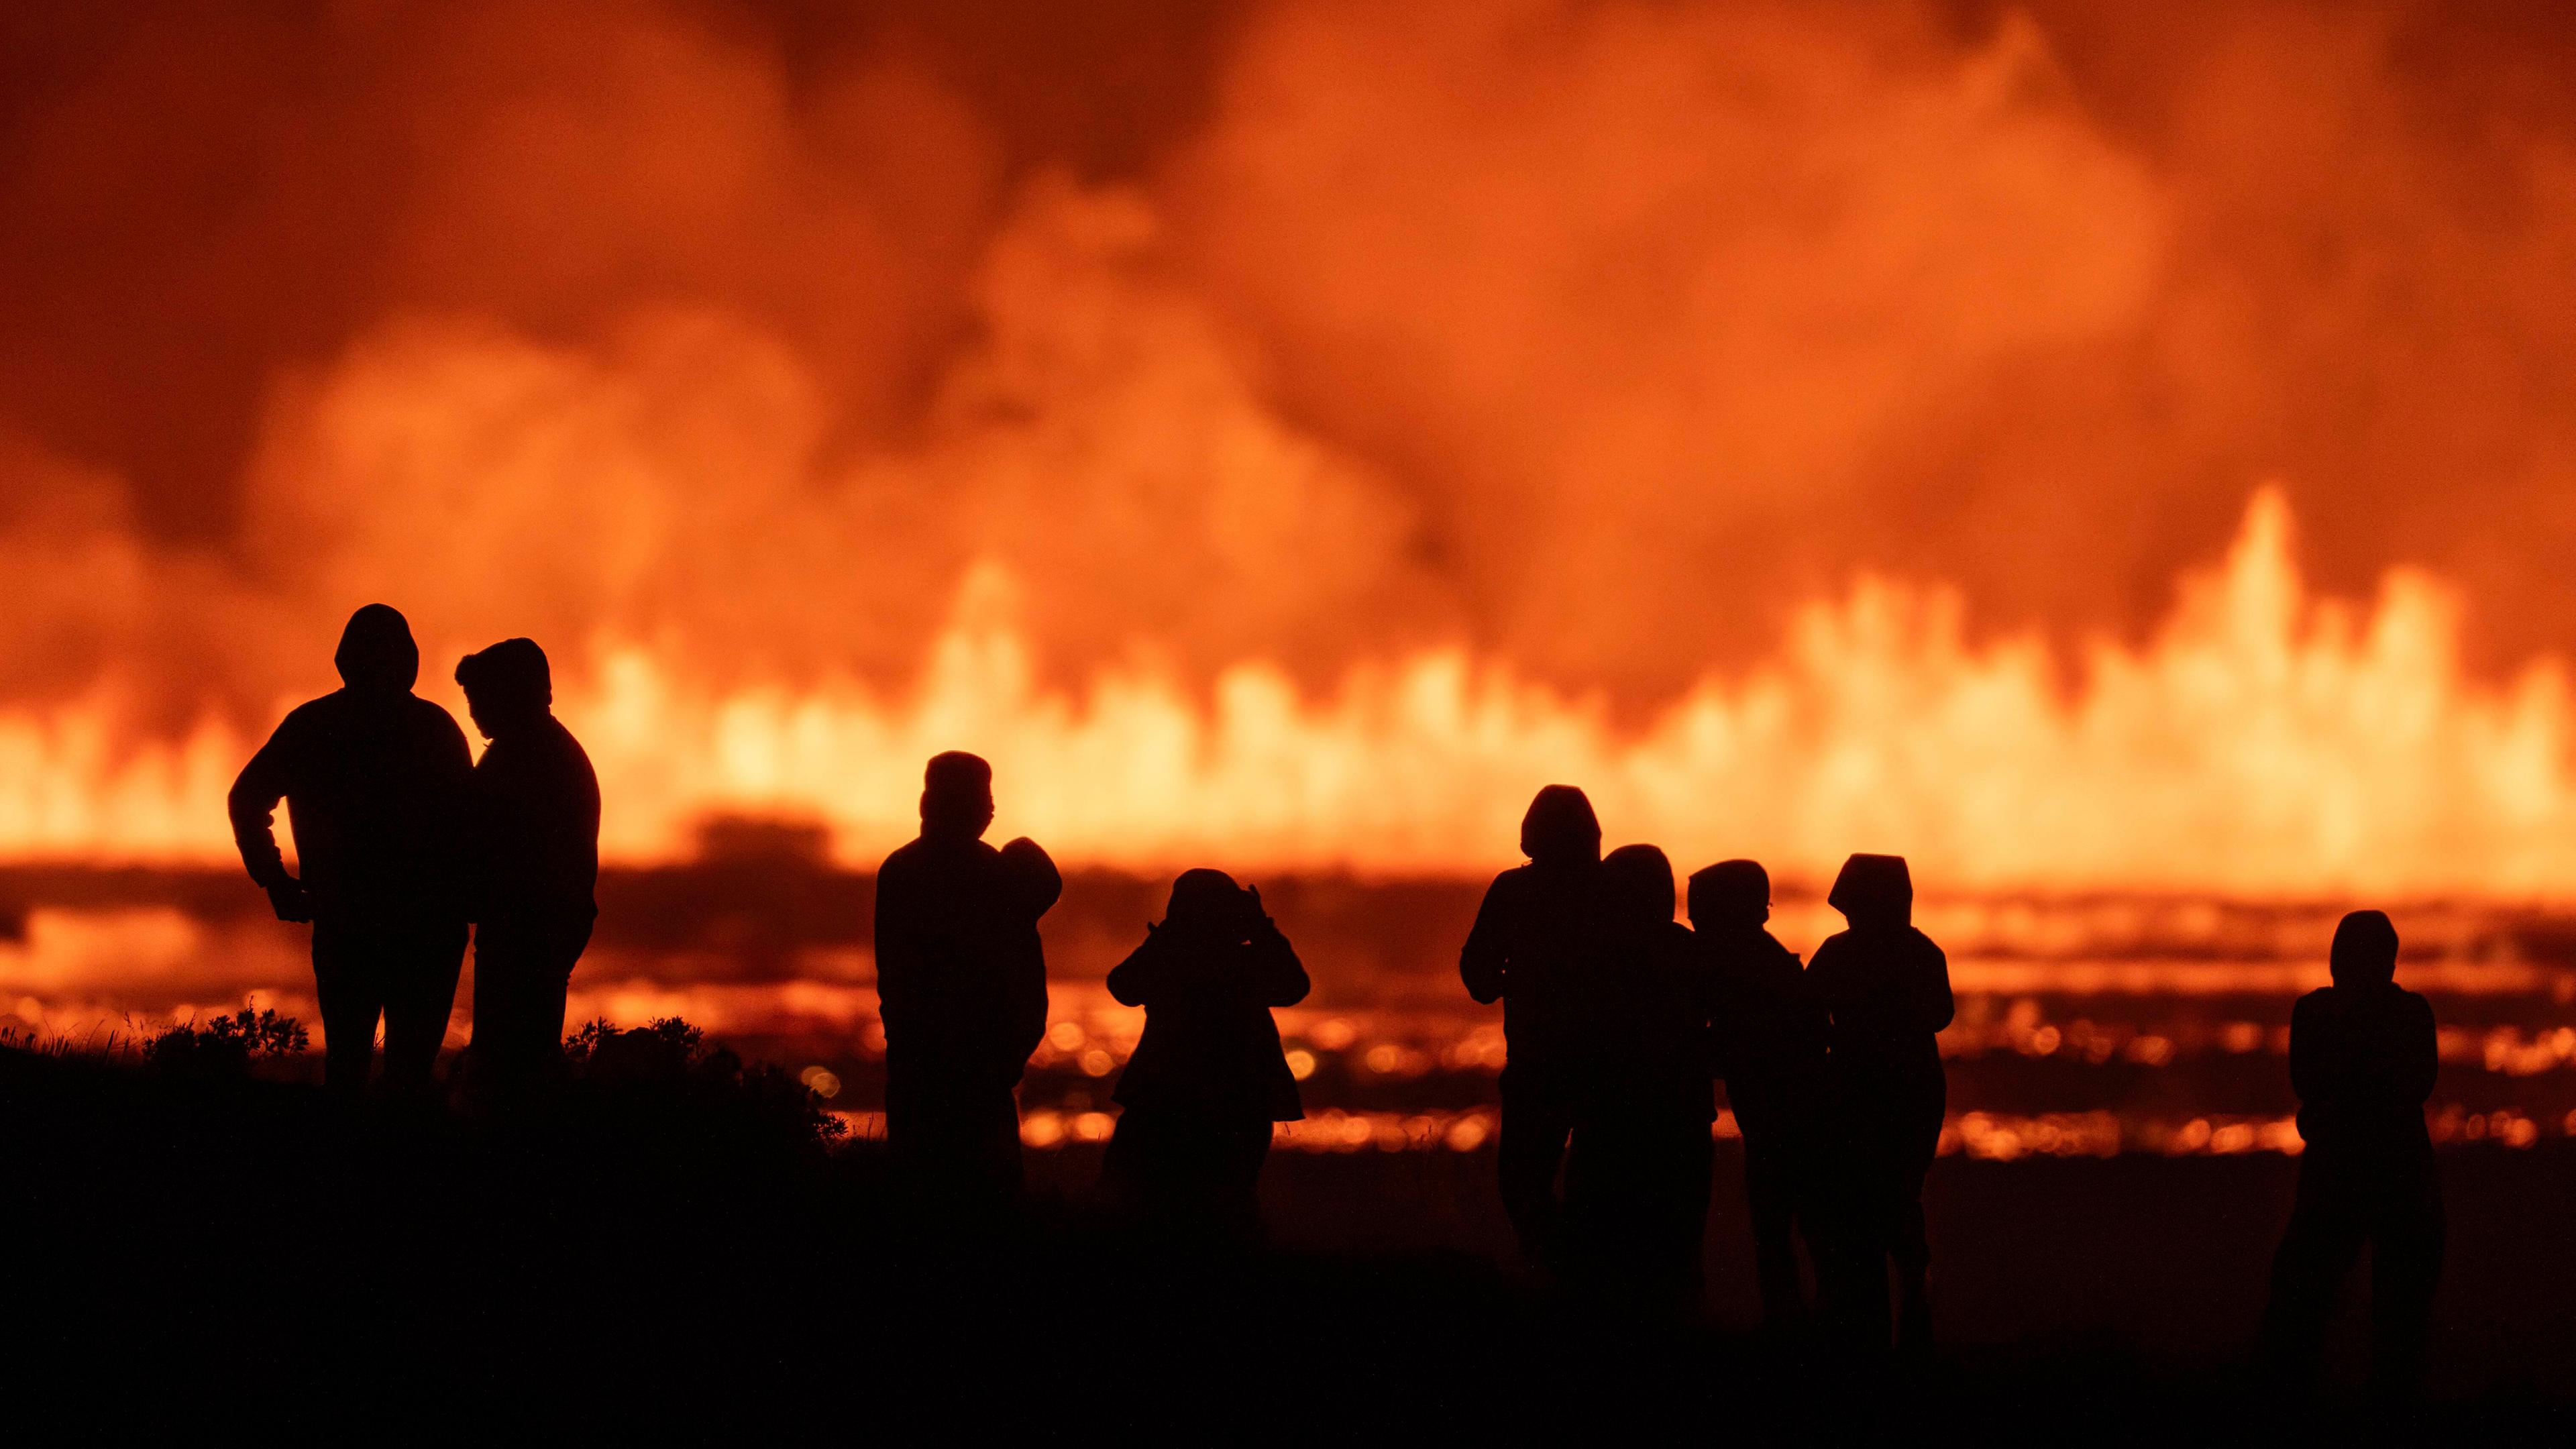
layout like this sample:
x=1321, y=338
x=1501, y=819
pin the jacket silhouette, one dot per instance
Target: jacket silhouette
x=1770, y=1034
x=1208, y=1078
x=532, y=859
x=1885, y=990
x=1637, y=1182
x=961, y=983
x=2363, y=1060
x=1534, y=940
x=374, y=779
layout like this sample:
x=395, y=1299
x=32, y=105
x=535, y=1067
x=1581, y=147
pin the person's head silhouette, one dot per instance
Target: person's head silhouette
x=1637, y=884
x=956, y=796
x=1207, y=903
x=508, y=687
x=1032, y=877
x=2365, y=950
x=1731, y=895
x=1874, y=891
x=1560, y=828
x=376, y=654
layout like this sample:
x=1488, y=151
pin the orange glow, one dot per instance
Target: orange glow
x=2261, y=742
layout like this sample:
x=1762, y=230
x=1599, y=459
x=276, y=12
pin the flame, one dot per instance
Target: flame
x=2260, y=742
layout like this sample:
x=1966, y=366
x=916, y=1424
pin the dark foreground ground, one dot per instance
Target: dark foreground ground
x=674, y=1247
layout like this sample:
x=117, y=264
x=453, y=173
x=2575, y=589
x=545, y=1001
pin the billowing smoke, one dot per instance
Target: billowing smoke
x=1594, y=337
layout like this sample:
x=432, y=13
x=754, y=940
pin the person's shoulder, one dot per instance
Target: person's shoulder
x=2415, y=1003
x=316, y=713
x=431, y=719
x=1771, y=949
x=565, y=741
x=562, y=751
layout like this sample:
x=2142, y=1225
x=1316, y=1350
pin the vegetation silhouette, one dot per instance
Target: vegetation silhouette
x=375, y=779
x=224, y=1045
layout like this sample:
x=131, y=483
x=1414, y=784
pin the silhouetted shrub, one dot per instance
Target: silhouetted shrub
x=666, y=1069
x=224, y=1045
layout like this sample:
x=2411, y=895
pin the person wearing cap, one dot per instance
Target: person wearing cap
x=2363, y=1059
x=1885, y=991
x=374, y=779
x=961, y=987
x=1535, y=937
x=1770, y=1041
x=532, y=861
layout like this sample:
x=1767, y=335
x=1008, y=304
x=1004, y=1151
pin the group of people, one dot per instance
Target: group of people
x=962, y=993
x=405, y=844
x=1619, y=1020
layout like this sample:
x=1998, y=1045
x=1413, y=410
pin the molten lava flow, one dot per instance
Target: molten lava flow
x=2259, y=743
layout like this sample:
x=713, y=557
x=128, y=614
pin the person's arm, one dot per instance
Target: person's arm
x=253, y=808
x=1278, y=978
x=2307, y=1066
x=2423, y=1059
x=1026, y=1003
x=1936, y=1005
x=1718, y=1014
x=897, y=946
x=1483, y=961
x=1139, y=979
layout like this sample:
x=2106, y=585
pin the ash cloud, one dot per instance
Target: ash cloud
x=1598, y=336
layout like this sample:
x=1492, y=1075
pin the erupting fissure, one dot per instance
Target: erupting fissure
x=2259, y=742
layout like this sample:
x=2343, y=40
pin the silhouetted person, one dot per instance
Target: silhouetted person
x=961, y=984
x=1637, y=1182
x=1533, y=941
x=2362, y=1059
x=1885, y=989
x=1771, y=1049
x=1208, y=1078
x=532, y=860
x=374, y=781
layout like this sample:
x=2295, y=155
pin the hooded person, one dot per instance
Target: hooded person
x=374, y=779
x=961, y=986
x=531, y=860
x=2363, y=1059
x=1208, y=1077
x=1884, y=988
x=1770, y=1043
x=1535, y=937
x=1637, y=1179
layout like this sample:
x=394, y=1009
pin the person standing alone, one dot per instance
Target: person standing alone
x=532, y=860
x=374, y=779
x=2363, y=1058
x=961, y=986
